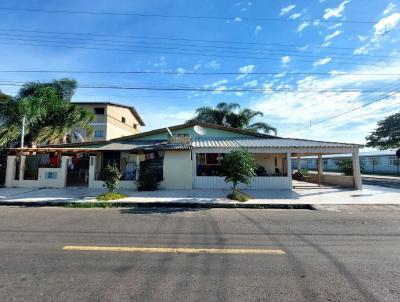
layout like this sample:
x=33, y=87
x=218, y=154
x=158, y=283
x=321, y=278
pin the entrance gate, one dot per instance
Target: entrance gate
x=78, y=170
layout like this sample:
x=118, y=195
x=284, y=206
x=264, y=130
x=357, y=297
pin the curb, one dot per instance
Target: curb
x=166, y=205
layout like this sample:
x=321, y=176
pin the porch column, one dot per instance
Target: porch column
x=320, y=169
x=92, y=171
x=298, y=163
x=10, y=170
x=289, y=168
x=22, y=167
x=356, y=171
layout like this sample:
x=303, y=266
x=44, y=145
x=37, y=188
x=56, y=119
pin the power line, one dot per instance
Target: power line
x=193, y=17
x=171, y=53
x=203, y=89
x=189, y=47
x=261, y=43
x=187, y=72
x=269, y=51
x=353, y=109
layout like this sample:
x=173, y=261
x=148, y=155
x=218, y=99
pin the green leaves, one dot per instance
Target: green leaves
x=387, y=134
x=111, y=178
x=231, y=115
x=50, y=117
x=238, y=166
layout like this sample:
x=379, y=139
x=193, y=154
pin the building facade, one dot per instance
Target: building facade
x=185, y=160
x=112, y=120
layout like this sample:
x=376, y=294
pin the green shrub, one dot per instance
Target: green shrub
x=148, y=181
x=345, y=166
x=111, y=196
x=111, y=178
x=238, y=196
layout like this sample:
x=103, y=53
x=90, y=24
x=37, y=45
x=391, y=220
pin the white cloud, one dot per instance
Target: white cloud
x=180, y=70
x=362, y=38
x=322, y=61
x=287, y=9
x=362, y=50
x=238, y=19
x=246, y=69
x=387, y=23
x=335, y=26
x=326, y=44
x=389, y=8
x=302, y=26
x=161, y=62
x=216, y=84
x=258, y=29
x=219, y=89
x=331, y=36
x=316, y=98
x=285, y=60
x=251, y=83
x=295, y=16
x=214, y=64
x=337, y=11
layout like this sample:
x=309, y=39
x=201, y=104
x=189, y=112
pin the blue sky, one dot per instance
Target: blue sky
x=311, y=65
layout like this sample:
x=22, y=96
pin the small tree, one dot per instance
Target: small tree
x=111, y=178
x=238, y=166
x=345, y=166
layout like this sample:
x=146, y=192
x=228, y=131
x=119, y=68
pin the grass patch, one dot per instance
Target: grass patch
x=238, y=196
x=111, y=196
x=88, y=205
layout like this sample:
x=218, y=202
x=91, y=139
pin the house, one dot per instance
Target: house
x=375, y=162
x=112, y=120
x=183, y=157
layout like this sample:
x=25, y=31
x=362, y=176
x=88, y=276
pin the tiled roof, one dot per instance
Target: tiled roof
x=232, y=142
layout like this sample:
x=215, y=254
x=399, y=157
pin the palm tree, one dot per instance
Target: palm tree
x=231, y=115
x=215, y=115
x=50, y=117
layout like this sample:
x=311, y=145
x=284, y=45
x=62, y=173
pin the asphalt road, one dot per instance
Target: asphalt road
x=352, y=255
x=382, y=182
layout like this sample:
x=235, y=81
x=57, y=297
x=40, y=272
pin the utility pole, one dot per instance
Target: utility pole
x=21, y=161
x=23, y=133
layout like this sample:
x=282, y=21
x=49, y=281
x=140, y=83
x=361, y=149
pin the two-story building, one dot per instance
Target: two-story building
x=112, y=120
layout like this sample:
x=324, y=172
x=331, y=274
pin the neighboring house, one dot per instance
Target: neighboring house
x=376, y=162
x=112, y=121
x=189, y=159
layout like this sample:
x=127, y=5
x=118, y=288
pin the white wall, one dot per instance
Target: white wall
x=177, y=170
x=42, y=181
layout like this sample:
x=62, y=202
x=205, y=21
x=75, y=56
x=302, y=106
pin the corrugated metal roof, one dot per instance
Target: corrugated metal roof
x=231, y=142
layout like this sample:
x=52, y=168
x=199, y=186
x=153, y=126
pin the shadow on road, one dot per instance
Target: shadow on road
x=159, y=210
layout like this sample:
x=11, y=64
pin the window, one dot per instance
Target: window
x=374, y=161
x=99, y=133
x=393, y=161
x=182, y=135
x=123, y=120
x=209, y=164
x=135, y=126
x=99, y=110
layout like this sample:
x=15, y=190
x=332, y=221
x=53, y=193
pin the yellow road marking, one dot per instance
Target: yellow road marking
x=171, y=250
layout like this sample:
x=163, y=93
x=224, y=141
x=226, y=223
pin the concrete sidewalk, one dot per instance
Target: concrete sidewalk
x=305, y=195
